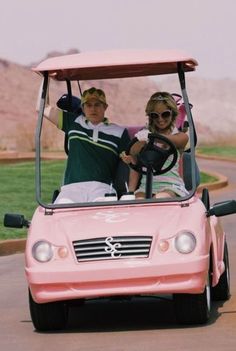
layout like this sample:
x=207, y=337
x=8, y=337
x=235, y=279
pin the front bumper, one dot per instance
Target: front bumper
x=117, y=277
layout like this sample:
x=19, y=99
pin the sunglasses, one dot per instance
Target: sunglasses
x=165, y=114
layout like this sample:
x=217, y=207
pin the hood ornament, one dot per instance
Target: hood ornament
x=112, y=247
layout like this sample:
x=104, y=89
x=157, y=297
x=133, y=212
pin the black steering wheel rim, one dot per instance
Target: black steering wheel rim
x=151, y=146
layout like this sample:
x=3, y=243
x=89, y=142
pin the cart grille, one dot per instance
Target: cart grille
x=113, y=247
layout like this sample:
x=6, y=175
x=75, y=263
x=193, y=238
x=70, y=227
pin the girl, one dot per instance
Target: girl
x=162, y=111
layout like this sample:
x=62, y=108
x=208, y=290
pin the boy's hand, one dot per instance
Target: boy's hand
x=127, y=158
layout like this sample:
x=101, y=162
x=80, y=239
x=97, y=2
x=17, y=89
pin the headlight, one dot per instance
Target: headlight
x=185, y=242
x=42, y=251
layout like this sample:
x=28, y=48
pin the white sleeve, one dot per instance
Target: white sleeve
x=175, y=131
x=142, y=135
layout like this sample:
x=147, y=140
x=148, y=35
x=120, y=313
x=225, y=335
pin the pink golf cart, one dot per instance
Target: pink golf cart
x=124, y=246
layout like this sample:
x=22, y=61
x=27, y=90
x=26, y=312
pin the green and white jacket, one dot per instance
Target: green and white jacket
x=93, y=149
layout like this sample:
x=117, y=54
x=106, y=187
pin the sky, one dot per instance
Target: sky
x=205, y=29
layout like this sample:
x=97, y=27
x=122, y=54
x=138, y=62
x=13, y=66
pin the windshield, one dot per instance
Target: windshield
x=125, y=113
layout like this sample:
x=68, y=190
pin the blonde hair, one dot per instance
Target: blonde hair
x=168, y=100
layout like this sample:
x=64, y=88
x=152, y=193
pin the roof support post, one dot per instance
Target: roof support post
x=38, y=138
x=192, y=131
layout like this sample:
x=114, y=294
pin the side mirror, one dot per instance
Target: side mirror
x=13, y=220
x=222, y=208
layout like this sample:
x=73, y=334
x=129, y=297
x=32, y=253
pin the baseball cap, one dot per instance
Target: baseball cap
x=93, y=93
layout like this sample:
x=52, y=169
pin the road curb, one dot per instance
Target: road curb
x=220, y=183
x=9, y=247
x=216, y=158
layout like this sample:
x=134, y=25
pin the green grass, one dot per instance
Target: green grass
x=207, y=178
x=18, y=190
x=219, y=151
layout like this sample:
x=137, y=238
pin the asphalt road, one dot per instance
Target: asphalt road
x=120, y=326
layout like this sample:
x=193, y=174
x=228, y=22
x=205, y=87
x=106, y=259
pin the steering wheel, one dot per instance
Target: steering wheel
x=152, y=156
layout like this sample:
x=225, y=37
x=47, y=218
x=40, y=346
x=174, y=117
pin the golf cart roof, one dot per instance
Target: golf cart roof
x=115, y=64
